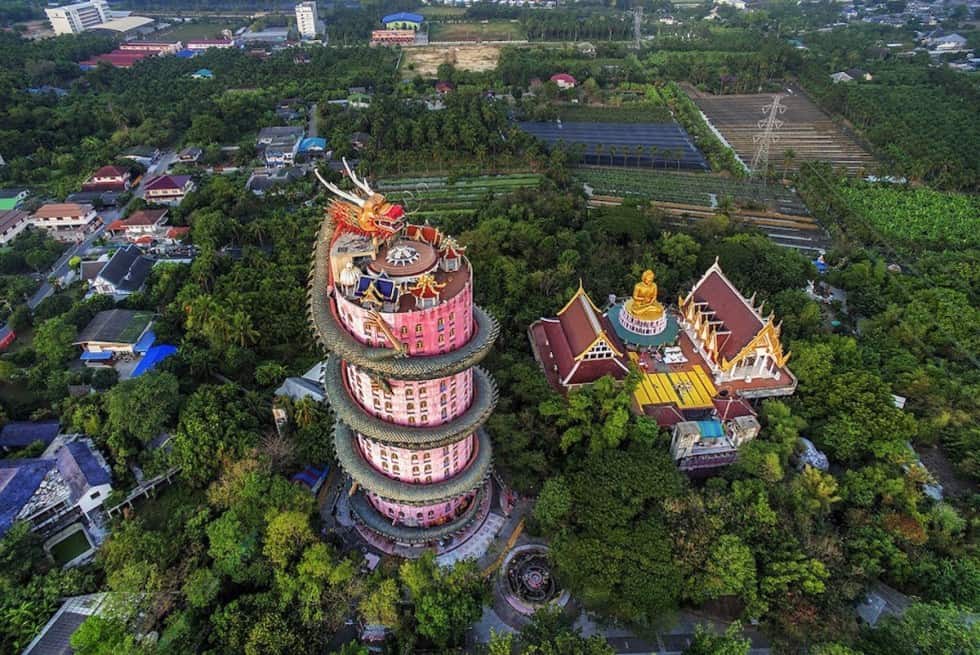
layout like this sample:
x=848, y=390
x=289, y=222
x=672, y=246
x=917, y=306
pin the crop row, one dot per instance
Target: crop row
x=689, y=188
x=917, y=216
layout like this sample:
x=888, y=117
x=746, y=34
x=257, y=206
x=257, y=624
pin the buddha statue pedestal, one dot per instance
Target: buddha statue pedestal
x=643, y=314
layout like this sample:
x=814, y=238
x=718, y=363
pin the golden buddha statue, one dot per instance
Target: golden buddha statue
x=644, y=305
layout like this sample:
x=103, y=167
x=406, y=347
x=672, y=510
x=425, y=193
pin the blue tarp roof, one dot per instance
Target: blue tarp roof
x=102, y=356
x=403, y=16
x=143, y=345
x=310, y=476
x=186, y=54
x=19, y=479
x=18, y=434
x=153, y=356
x=313, y=143
x=821, y=266
x=710, y=429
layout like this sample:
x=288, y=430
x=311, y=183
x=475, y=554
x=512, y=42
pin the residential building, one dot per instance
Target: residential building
x=272, y=36
x=108, y=178
x=55, y=637
x=279, y=145
x=78, y=17
x=124, y=274
x=168, y=189
x=116, y=334
x=564, y=80
x=7, y=337
x=263, y=180
x=700, y=446
x=63, y=488
x=207, y=44
x=307, y=20
x=66, y=221
x=12, y=223
x=142, y=223
x=20, y=434
x=12, y=198
x=190, y=155
x=144, y=155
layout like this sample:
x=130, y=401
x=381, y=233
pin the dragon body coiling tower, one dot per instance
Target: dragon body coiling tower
x=393, y=303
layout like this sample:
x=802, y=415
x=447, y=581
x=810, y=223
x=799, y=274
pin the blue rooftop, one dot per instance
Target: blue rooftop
x=153, y=356
x=19, y=479
x=203, y=72
x=143, y=345
x=403, y=16
x=87, y=463
x=312, y=143
x=186, y=54
x=18, y=434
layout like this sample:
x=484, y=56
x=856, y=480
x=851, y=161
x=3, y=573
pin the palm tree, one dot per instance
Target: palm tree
x=242, y=330
x=304, y=412
x=599, y=148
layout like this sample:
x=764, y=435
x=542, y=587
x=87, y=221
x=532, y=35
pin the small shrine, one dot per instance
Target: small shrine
x=641, y=320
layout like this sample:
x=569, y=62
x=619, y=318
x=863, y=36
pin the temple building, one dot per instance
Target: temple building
x=579, y=345
x=393, y=302
x=701, y=365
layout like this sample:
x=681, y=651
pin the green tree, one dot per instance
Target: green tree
x=728, y=571
x=595, y=415
x=707, y=642
x=53, y=342
x=380, y=605
x=553, y=504
x=139, y=410
x=924, y=628
x=445, y=601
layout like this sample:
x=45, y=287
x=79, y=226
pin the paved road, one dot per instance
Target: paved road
x=60, y=267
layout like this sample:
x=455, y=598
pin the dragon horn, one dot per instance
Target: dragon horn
x=359, y=183
x=339, y=192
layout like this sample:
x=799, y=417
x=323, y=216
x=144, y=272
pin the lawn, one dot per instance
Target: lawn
x=496, y=30
x=442, y=12
x=193, y=31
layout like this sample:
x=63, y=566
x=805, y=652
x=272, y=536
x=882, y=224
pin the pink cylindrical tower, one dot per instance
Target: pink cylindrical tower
x=394, y=304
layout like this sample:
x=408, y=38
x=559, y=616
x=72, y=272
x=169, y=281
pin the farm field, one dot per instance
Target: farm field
x=918, y=216
x=441, y=12
x=191, y=31
x=806, y=130
x=425, y=60
x=689, y=188
x=495, y=30
x=624, y=144
x=638, y=112
x=431, y=195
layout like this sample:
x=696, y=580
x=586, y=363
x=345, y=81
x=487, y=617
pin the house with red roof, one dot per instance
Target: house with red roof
x=108, y=178
x=168, y=189
x=564, y=81
x=142, y=224
x=578, y=346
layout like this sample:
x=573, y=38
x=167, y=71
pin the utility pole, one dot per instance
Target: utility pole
x=765, y=139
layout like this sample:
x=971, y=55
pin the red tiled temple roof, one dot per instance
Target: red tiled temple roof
x=732, y=309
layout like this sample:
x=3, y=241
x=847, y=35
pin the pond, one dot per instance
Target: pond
x=68, y=549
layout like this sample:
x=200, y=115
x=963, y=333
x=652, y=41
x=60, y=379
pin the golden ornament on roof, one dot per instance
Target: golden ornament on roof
x=644, y=305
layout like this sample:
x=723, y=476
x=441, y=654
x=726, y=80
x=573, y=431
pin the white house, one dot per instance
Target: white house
x=66, y=221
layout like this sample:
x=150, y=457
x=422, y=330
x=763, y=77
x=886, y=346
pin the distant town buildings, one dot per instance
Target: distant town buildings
x=401, y=28
x=108, y=178
x=307, y=20
x=76, y=18
x=278, y=145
